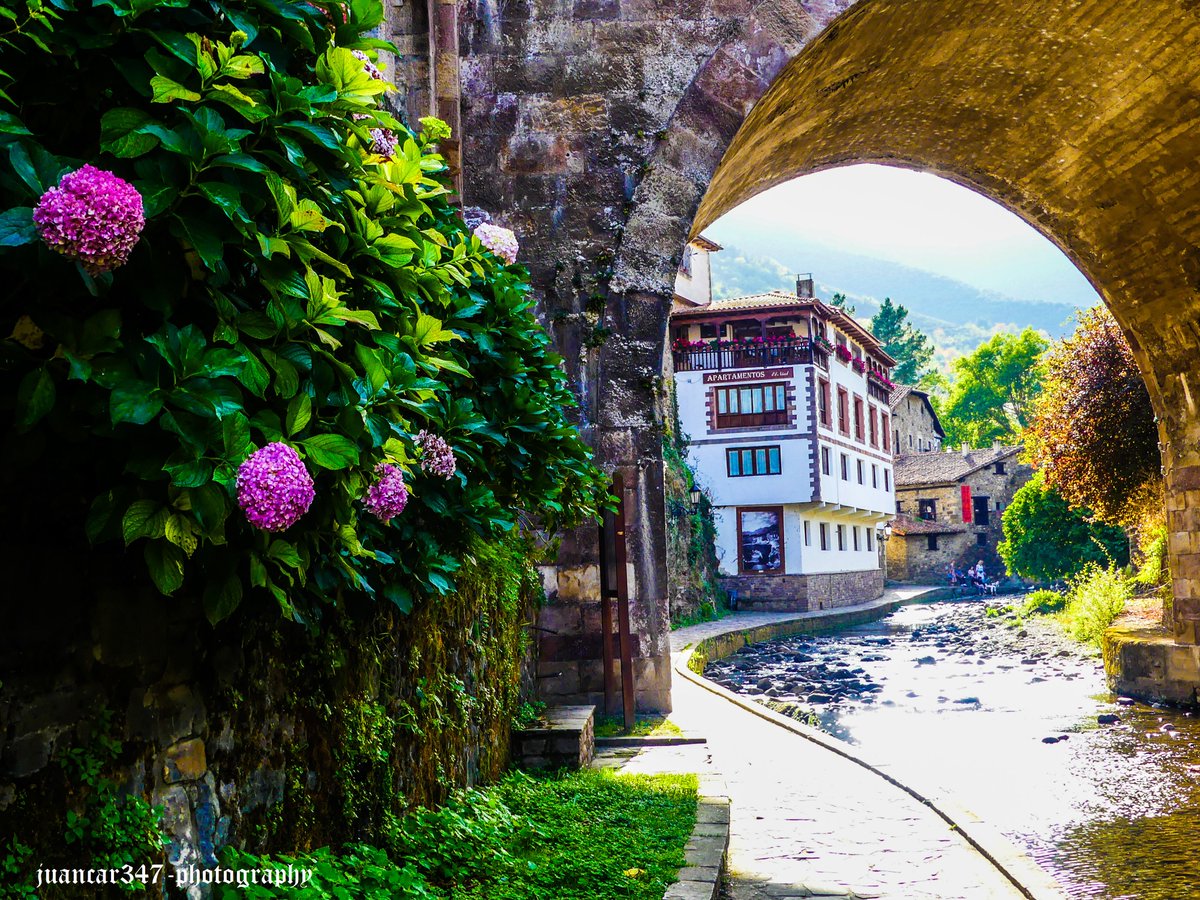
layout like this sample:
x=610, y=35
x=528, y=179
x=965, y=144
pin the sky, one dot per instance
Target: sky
x=917, y=219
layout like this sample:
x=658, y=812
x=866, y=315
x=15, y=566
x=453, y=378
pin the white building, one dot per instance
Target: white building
x=785, y=402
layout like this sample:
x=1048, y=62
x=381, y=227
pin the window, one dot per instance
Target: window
x=845, y=467
x=859, y=434
x=981, y=539
x=807, y=534
x=681, y=332
x=685, y=264
x=870, y=540
x=860, y=472
x=823, y=410
x=841, y=533
x=752, y=461
x=999, y=506
x=825, y=454
x=899, y=507
x=708, y=331
x=896, y=443
x=874, y=423
x=751, y=406
x=760, y=540
x=884, y=425
x=982, y=510
x=887, y=479
x=874, y=475
x=824, y=536
x=927, y=510
x=931, y=542
x=843, y=411
x=856, y=538
x=910, y=441
x=999, y=468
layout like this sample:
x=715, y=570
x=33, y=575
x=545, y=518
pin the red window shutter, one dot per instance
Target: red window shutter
x=966, y=502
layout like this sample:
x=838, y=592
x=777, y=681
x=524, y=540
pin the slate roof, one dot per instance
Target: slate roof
x=900, y=391
x=913, y=469
x=907, y=525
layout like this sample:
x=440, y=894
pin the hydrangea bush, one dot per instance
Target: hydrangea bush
x=252, y=344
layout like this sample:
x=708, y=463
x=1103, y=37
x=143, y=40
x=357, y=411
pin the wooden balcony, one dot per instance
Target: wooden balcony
x=749, y=356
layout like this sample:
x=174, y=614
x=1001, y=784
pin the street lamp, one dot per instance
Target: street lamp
x=694, y=494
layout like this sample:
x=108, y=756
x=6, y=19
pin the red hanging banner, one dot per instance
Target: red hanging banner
x=966, y=502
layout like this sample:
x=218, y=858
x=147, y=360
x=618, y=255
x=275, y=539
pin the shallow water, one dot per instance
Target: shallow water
x=963, y=700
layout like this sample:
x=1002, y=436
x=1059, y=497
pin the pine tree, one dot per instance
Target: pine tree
x=908, y=346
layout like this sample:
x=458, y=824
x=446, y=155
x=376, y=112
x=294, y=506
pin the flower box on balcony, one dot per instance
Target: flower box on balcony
x=843, y=353
x=858, y=366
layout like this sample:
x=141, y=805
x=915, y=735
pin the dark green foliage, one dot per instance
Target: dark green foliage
x=904, y=343
x=1046, y=540
x=288, y=287
x=574, y=836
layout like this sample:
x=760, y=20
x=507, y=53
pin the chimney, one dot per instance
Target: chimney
x=965, y=448
x=804, y=286
x=996, y=445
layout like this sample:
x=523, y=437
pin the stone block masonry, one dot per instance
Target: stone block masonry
x=801, y=593
x=566, y=739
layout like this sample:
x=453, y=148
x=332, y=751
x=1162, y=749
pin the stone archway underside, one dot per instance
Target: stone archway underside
x=1082, y=117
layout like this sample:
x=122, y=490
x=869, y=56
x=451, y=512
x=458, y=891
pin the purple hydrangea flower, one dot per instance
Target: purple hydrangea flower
x=436, y=456
x=383, y=142
x=93, y=217
x=369, y=67
x=500, y=241
x=388, y=496
x=274, y=488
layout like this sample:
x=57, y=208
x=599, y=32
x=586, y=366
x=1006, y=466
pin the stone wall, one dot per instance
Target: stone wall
x=259, y=732
x=913, y=426
x=801, y=593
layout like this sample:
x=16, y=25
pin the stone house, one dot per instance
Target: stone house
x=948, y=509
x=915, y=424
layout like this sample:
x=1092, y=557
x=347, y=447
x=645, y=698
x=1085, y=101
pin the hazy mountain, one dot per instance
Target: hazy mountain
x=956, y=316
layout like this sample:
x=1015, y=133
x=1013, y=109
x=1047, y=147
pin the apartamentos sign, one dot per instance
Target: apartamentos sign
x=748, y=375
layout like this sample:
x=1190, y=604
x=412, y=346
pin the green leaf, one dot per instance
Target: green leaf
x=137, y=402
x=120, y=134
x=18, y=157
x=189, y=473
x=221, y=598
x=135, y=522
x=243, y=66
x=16, y=227
x=35, y=398
x=429, y=331
x=299, y=412
x=179, y=532
x=331, y=451
x=235, y=431
x=400, y=596
x=285, y=553
x=10, y=124
x=165, y=562
x=166, y=90
x=201, y=237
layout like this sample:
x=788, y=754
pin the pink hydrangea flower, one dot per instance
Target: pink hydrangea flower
x=369, y=67
x=383, y=142
x=500, y=241
x=436, y=456
x=388, y=496
x=93, y=217
x=274, y=488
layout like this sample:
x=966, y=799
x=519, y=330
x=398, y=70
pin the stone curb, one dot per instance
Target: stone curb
x=706, y=850
x=609, y=743
x=1029, y=878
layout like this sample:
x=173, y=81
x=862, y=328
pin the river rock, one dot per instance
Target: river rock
x=1108, y=718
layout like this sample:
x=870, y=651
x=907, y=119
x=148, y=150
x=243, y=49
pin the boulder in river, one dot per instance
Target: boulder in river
x=1108, y=718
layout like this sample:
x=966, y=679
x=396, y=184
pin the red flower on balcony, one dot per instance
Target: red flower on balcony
x=858, y=366
x=843, y=353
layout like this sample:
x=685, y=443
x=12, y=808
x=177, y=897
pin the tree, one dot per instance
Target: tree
x=1046, y=540
x=908, y=346
x=1093, y=431
x=842, y=302
x=993, y=390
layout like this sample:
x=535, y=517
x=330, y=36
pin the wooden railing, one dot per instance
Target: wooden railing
x=749, y=356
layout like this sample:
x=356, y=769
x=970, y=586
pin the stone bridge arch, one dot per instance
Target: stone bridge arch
x=1080, y=116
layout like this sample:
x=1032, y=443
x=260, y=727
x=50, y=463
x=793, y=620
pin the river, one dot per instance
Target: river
x=1006, y=716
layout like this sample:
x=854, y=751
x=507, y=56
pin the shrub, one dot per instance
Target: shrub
x=297, y=282
x=1042, y=602
x=1096, y=597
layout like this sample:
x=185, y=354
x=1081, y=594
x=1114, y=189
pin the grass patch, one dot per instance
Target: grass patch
x=643, y=726
x=1043, y=602
x=590, y=835
x=707, y=612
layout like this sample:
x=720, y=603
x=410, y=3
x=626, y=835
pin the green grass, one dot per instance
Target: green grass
x=1095, y=599
x=708, y=612
x=590, y=835
x=643, y=726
